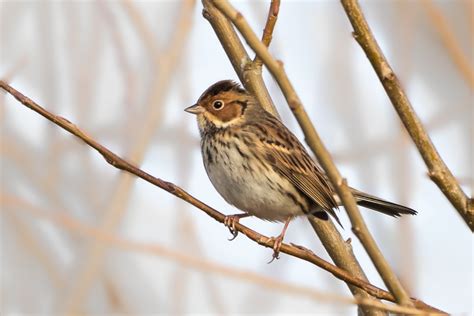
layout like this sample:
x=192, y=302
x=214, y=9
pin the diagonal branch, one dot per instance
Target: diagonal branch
x=314, y=141
x=249, y=73
x=165, y=61
x=448, y=38
x=330, y=237
x=119, y=163
x=64, y=221
x=437, y=169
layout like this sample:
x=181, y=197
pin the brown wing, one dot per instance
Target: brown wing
x=288, y=156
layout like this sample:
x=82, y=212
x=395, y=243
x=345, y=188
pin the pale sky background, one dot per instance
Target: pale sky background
x=86, y=61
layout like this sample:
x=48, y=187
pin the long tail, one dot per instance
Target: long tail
x=382, y=206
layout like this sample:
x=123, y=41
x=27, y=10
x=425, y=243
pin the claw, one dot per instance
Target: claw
x=230, y=222
x=276, y=247
x=278, y=241
x=234, y=233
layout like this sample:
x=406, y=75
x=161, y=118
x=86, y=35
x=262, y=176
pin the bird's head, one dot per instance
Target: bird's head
x=222, y=105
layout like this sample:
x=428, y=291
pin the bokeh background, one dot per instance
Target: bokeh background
x=79, y=236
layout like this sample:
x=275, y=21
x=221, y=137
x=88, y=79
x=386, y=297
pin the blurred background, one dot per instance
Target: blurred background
x=78, y=236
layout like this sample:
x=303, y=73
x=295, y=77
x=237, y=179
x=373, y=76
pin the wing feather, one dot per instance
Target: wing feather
x=288, y=156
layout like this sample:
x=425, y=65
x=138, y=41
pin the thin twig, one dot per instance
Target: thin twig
x=61, y=219
x=142, y=28
x=124, y=65
x=314, y=141
x=437, y=169
x=35, y=249
x=449, y=40
x=119, y=163
x=249, y=74
x=269, y=27
x=117, y=302
x=326, y=231
x=186, y=230
x=166, y=60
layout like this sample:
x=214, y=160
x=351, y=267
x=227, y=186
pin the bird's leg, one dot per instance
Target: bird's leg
x=279, y=241
x=231, y=220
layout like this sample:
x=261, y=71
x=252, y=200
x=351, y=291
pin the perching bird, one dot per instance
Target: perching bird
x=260, y=167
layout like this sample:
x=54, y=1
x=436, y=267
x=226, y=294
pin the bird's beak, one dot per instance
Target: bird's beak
x=194, y=109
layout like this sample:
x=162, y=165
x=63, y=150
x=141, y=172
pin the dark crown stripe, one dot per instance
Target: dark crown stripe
x=221, y=86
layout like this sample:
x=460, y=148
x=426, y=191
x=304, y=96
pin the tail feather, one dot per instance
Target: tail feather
x=382, y=206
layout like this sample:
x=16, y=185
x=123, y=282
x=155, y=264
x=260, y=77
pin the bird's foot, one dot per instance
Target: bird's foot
x=277, y=241
x=230, y=221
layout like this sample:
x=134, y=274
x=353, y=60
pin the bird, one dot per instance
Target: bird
x=259, y=166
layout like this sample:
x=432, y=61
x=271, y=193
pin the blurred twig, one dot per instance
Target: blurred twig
x=115, y=298
x=438, y=171
x=35, y=249
x=403, y=175
x=314, y=141
x=145, y=33
x=16, y=68
x=159, y=89
x=449, y=40
x=386, y=146
x=65, y=221
x=119, y=163
x=126, y=69
x=185, y=231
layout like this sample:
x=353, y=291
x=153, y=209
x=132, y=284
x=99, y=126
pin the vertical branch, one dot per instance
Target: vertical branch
x=437, y=169
x=328, y=234
x=113, y=214
x=269, y=27
x=314, y=141
x=249, y=74
x=121, y=164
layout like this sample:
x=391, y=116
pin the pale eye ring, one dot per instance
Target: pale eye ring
x=218, y=104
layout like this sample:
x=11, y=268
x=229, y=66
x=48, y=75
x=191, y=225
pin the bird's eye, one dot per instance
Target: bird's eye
x=218, y=104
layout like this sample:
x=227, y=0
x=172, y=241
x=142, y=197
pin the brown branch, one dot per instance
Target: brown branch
x=437, y=169
x=269, y=27
x=119, y=163
x=326, y=231
x=249, y=74
x=62, y=220
x=314, y=141
x=165, y=62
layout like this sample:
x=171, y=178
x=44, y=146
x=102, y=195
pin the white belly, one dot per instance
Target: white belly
x=252, y=188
